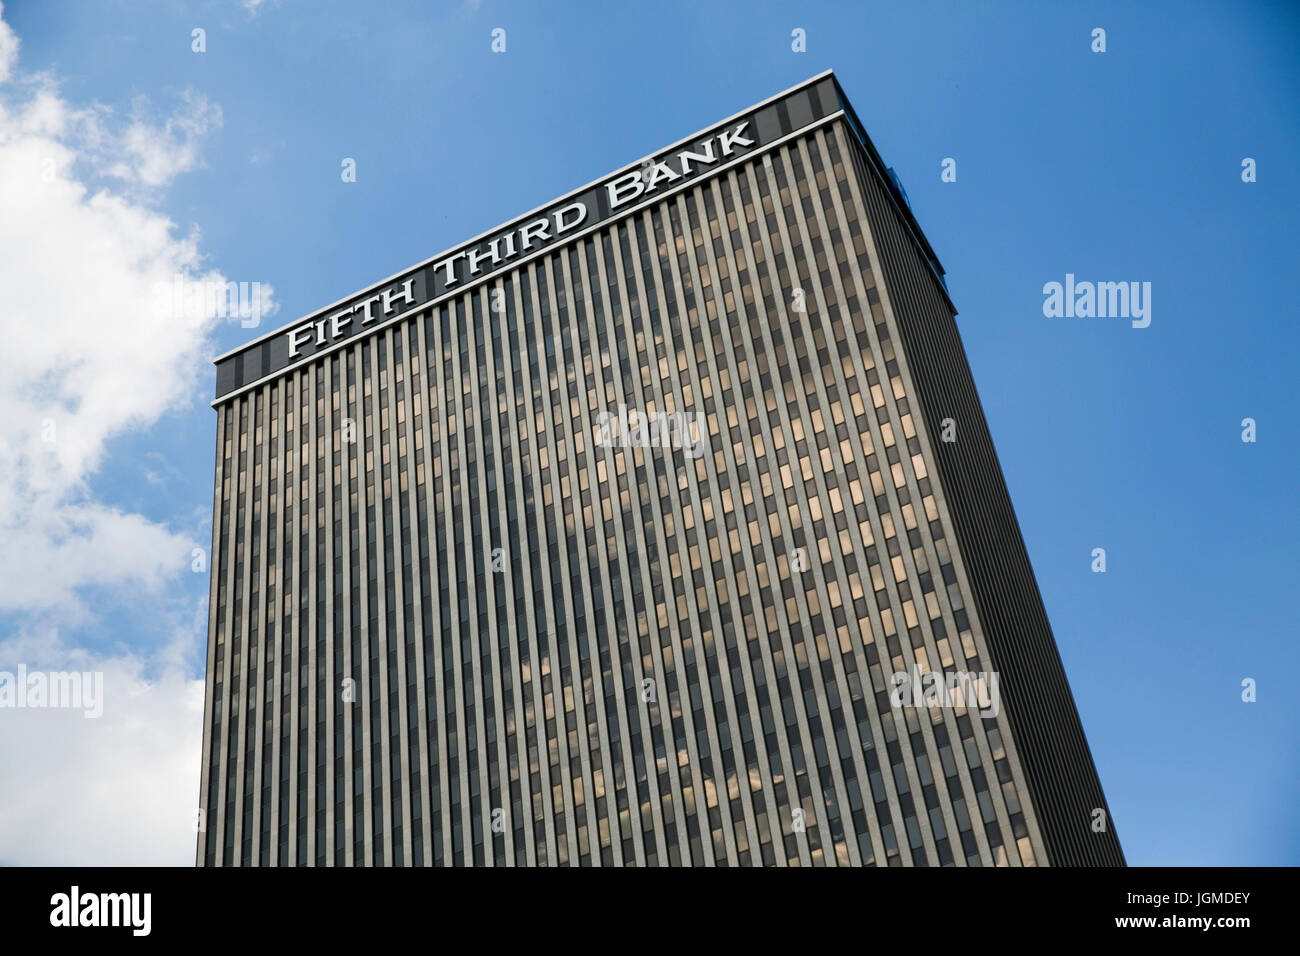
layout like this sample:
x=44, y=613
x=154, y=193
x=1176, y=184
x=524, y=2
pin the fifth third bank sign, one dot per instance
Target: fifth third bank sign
x=658, y=526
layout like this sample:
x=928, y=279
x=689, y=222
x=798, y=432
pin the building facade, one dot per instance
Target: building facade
x=603, y=539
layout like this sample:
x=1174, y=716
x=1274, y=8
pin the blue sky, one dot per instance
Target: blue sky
x=1115, y=166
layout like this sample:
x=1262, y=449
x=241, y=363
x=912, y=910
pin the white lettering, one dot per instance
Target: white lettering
x=449, y=269
x=686, y=158
x=295, y=343
x=338, y=320
x=476, y=256
x=366, y=315
x=618, y=188
x=661, y=171
x=74, y=909
x=538, y=229
x=407, y=295
x=562, y=225
x=734, y=138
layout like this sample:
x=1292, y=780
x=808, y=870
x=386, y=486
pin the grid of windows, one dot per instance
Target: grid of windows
x=467, y=634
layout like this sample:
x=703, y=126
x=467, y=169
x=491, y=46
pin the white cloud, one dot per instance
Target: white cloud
x=87, y=353
x=254, y=7
x=59, y=547
x=87, y=357
x=8, y=47
x=118, y=789
x=155, y=154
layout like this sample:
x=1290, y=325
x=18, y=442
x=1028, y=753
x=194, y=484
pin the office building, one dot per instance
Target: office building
x=600, y=538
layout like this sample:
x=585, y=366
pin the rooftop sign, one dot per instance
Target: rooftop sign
x=527, y=236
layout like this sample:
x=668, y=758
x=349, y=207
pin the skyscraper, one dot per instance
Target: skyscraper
x=660, y=525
